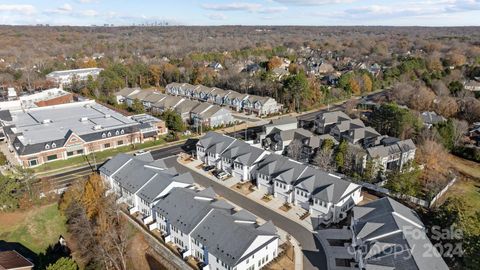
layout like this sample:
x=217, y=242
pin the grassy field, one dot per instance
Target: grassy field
x=467, y=167
x=36, y=229
x=468, y=184
x=99, y=156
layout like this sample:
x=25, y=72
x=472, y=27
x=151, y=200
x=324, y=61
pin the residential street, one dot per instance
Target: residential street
x=313, y=253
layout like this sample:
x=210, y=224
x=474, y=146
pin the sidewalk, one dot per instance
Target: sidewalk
x=283, y=234
x=99, y=162
x=274, y=204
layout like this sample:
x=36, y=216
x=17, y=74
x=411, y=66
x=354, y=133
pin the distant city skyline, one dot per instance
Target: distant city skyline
x=254, y=12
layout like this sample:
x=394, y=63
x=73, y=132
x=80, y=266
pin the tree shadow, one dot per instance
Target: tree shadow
x=23, y=250
x=153, y=264
x=51, y=255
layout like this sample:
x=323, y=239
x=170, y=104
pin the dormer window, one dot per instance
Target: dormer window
x=54, y=145
x=122, y=131
x=117, y=133
x=104, y=135
x=47, y=146
x=109, y=134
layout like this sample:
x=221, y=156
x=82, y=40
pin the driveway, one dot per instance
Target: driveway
x=313, y=253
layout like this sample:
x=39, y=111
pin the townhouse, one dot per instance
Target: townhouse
x=139, y=181
x=325, y=121
x=185, y=108
x=196, y=222
x=389, y=235
x=168, y=103
x=213, y=232
x=391, y=154
x=326, y=196
x=209, y=115
x=386, y=152
x=236, y=101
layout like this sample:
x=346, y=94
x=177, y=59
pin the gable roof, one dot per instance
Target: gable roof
x=387, y=229
x=220, y=229
x=160, y=182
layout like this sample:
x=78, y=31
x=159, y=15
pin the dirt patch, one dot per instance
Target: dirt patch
x=285, y=260
x=285, y=208
x=266, y=198
x=367, y=197
x=244, y=188
x=136, y=252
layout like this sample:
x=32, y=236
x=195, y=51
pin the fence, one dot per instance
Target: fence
x=415, y=200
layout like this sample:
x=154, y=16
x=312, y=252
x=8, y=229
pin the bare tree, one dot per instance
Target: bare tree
x=324, y=159
x=294, y=149
x=460, y=129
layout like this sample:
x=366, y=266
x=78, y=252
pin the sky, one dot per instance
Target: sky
x=236, y=12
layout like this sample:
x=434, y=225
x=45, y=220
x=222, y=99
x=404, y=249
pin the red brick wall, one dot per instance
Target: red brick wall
x=68, y=98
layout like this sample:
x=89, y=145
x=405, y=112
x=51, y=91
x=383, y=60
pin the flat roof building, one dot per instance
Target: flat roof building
x=44, y=134
x=66, y=77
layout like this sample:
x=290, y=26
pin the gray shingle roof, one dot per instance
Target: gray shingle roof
x=243, y=152
x=229, y=240
x=393, y=227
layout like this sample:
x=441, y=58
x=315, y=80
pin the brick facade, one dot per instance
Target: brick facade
x=64, y=152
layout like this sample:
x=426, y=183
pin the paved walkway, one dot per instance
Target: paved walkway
x=294, y=213
x=312, y=250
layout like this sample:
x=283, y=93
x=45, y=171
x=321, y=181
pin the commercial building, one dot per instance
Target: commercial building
x=49, y=97
x=66, y=77
x=44, y=134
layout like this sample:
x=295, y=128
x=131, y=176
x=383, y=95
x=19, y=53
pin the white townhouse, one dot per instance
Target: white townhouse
x=261, y=105
x=139, y=181
x=325, y=196
x=211, y=146
x=240, y=159
x=213, y=232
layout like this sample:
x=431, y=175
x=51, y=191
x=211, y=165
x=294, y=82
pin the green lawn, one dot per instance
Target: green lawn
x=468, y=189
x=99, y=156
x=36, y=229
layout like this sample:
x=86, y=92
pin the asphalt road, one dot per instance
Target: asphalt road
x=313, y=253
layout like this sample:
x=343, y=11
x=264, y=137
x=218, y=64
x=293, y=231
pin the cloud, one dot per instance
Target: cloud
x=88, y=13
x=86, y=1
x=66, y=8
x=233, y=7
x=312, y=2
x=22, y=9
x=217, y=16
x=249, y=7
x=271, y=10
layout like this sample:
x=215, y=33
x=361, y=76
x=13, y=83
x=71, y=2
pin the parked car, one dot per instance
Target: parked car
x=222, y=175
x=208, y=168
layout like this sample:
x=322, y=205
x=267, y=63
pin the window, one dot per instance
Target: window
x=120, y=143
x=107, y=145
x=32, y=162
x=51, y=157
x=47, y=146
x=69, y=154
x=54, y=145
x=109, y=134
x=117, y=133
x=79, y=152
x=104, y=135
x=122, y=131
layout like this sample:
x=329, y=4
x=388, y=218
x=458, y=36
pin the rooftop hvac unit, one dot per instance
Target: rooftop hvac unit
x=46, y=121
x=97, y=127
x=107, y=116
x=84, y=119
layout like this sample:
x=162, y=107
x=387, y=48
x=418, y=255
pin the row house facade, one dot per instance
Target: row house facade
x=327, y=197
x=199, y=224
x=236, y=101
